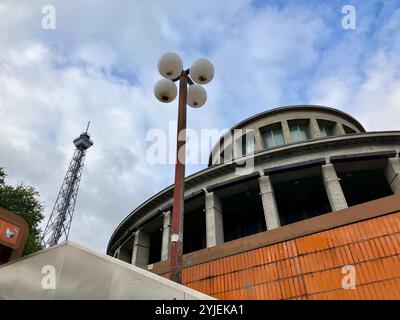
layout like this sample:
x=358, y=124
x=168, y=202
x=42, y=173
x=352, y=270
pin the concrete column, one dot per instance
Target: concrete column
x=166, y=236
x=258, y=141
x=214, y=221
x=236, y=145
x=392, y=173
x=333, y=188
x=141, y=248
x=269, y=204
x=315, y=132
x=286, y=132
x=338, y=129
x=228, y=154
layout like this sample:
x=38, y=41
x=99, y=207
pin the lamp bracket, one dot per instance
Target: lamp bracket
x=189, y=80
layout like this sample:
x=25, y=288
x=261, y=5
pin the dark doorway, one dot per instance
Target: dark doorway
x=152, y=239
x=364, y=185
x=194, y=224
x=242, y=210
x=194, y=236
x=300, y=198
x=155, y=245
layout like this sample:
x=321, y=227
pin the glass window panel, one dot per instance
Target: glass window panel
x=326, y=131
x=348, y=130
x=299, y=131
x=244, y=146
x=273, y=137
x=247, y=145
x=278, y=137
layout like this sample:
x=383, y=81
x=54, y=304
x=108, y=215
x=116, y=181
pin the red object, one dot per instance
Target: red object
x=14, y=232
x=9, y=233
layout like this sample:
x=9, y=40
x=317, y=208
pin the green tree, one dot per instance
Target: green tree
x=24, y=201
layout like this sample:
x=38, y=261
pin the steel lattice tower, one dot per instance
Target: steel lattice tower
x=60, y=220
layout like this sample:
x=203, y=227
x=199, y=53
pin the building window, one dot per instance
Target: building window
x=272, y=135
x=326, y=128
x=326, y=131
x=247, y=144
x=348, y=130
x=299, y=130
x=221, y=147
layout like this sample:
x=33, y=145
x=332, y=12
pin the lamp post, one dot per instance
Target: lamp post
x=201, y=72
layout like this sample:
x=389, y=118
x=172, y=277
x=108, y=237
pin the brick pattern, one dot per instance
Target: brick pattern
x=310, y=267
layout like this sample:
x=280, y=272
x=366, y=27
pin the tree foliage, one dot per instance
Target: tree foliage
x=24, y=201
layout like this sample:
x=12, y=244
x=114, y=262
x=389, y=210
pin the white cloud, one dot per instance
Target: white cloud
x=100, y=65
x=364, y=79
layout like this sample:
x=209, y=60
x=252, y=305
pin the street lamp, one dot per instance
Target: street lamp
x=201, y=72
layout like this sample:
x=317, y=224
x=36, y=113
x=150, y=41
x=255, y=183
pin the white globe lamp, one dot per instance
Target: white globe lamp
x=165, y=90
x=196, y=96
x=202, y=71
x=170, y=65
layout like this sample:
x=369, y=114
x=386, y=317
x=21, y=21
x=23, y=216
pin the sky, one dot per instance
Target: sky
x=100, y=64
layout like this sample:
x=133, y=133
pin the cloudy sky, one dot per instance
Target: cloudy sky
x=99, y=64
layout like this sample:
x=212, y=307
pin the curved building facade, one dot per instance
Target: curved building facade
x=282, y=186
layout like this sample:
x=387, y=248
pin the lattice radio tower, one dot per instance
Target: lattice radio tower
x=60, y=220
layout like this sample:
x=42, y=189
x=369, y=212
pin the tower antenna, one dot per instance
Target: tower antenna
x=59, y=223
x=87, y=128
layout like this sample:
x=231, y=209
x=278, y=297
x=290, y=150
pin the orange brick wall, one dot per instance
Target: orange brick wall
x=309, y=267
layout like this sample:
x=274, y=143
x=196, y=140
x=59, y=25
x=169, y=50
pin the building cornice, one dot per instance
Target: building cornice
x=286, y=109
x=308, y=107
x=153, y=203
